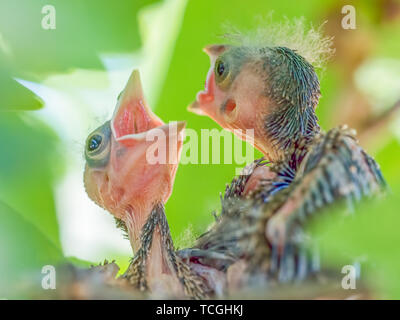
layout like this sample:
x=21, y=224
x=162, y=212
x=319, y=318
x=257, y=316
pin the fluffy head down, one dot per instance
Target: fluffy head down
x=265, y=80
x=291, y=52
x=307, y=41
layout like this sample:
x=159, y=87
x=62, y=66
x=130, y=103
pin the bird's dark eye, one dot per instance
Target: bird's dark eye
x=220, y=68
x=98, y=146
x=222, y=73
x=94, y=142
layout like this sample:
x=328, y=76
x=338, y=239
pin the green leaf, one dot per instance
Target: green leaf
x=14, y=96
x=29, y=166
x=24, y=250
x=83, y=29
x=29, y=237
x=372, y=234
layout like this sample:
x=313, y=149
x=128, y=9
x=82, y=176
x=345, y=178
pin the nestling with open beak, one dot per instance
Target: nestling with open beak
x=272, y=90
x=269, y=87
x=131, y=163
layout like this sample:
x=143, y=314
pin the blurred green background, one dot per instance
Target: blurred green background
x=57, y=85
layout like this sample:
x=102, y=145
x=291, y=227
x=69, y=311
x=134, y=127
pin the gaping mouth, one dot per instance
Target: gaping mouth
x=205, y=96
x=169, y=130
x=134, y=118
x=208, y=94
x=132, y=114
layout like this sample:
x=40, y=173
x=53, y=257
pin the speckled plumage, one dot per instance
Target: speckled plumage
x=273, y=89
x=294, y=88
x=331, y=168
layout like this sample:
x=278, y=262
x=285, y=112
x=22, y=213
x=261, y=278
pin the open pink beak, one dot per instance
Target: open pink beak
x=143, y=156
x=132, y=114
x=207, y=95
x=135, y=125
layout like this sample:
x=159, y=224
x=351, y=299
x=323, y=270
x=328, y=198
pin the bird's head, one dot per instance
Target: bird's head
x=264, y=79
x=131, y=160
x=272, y=90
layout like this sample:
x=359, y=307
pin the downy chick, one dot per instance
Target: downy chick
x=274, y=90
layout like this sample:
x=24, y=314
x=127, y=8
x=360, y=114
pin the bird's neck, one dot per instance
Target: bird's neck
x=140, y=221
x=150, y=237
x=289, y=129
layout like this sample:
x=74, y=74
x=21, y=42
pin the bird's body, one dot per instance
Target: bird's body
x=261, y=234
x=273, y=90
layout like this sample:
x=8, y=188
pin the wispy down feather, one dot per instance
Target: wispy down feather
x=307, y=41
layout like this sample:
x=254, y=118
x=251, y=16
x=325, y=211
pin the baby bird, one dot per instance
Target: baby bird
x=130, y=173
x=273, y=90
